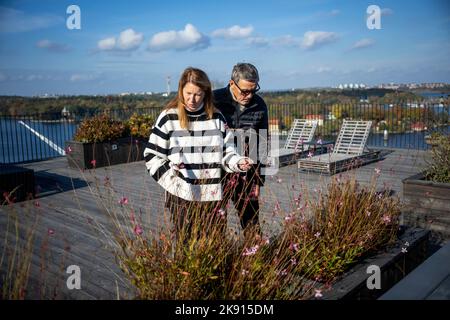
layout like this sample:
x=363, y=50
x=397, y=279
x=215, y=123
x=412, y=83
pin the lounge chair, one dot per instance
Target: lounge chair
x=302, y=131
x=349, y=150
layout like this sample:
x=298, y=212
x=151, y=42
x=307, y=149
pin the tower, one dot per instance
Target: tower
x=168, y=85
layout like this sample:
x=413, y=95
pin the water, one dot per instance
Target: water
x=18, y=144
x=434, y=95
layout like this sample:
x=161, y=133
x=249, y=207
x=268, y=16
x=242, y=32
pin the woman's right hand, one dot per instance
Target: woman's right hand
x=245, y=164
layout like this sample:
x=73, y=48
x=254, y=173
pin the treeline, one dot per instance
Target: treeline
x=336, y=96
x=14, y=105
x=11, y=105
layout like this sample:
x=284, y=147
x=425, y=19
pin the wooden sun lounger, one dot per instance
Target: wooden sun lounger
x=349, y=150
x=302, y=131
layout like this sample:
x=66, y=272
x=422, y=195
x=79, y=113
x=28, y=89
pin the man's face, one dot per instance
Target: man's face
x=243, y=91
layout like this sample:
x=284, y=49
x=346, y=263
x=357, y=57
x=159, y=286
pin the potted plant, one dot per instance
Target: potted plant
x=101, y=141
x=427, y=194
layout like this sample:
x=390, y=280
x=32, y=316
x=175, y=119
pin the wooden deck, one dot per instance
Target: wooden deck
x=68, y=203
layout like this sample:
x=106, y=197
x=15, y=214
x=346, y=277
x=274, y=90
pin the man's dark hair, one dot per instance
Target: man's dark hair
x=245, y=71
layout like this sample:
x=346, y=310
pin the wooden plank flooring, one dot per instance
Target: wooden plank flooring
x=69, y=206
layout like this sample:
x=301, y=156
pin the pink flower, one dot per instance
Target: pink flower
x=250, y=251
x=319, y=141
x=386, y=219
x=244, y=272
x=404, y=250
x=294, y=246
x=123, y=200
x=138, y=230
x=317, y=234
x=94, y=162
x=282, y=272
x=37, y=204
x=294, y=261
x=279, y=180
x=68, y=149
x=368, y=213
x=377, y=171
x=407, y=243
x=222, y=212
x=318, y=293
x=310, y=154
x=132, y=218
x=50, y=232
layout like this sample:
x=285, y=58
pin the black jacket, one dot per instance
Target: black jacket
x=254, y=116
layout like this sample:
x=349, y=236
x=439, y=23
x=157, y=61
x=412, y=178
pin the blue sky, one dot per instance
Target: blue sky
x=132, y=46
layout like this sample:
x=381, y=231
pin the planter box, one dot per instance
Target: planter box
x=393, y=263
x=105, y=153
x=427, y=204
x=16, y=178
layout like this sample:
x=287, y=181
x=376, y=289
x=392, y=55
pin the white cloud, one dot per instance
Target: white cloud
x=363, y=43
x=107, y=44
x=334, y=12
x=287, y=41
x=52, y=46
x=128, y=40
x=314, y=39
x=82, y=77
x=234, y=32
x=188, y=38
x=323, y=69
x=12, y=20
x=387, y=12
x=33, y=77
x=258, y=41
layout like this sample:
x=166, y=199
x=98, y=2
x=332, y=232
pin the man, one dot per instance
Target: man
x=246, y=113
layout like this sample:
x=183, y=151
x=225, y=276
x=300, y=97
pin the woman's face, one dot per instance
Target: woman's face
x=193, y=96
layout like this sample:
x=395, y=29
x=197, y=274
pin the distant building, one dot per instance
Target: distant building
x=418, y=126
x=318, y=117
x=274, y=125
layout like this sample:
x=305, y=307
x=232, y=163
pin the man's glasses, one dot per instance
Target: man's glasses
x=247, y=92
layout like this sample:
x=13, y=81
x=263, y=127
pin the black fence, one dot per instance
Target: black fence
x=42, y=136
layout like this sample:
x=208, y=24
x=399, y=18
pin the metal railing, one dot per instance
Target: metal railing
x=42, y=136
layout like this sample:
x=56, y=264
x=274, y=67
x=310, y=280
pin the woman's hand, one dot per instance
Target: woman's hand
x=245, y=164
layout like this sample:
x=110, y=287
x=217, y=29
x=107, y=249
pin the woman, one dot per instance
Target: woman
x=188, y=148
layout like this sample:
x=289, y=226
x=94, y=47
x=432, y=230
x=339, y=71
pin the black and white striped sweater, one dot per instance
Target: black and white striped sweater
x=188, y=163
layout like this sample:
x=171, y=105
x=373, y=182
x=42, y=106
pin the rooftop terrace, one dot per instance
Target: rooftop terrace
x=71, y=202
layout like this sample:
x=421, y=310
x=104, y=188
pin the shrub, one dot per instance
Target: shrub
x=347, y=222
x=140, y=126
x=100, y=128
x=439, y=167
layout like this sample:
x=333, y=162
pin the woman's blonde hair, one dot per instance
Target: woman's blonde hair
x=200, y=79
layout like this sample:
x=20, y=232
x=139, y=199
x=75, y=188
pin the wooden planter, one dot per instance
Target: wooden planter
x=394, y=263
x=16, y=180
x=81, y=155
x=427, y=204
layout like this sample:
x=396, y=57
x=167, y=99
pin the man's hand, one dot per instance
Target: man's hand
x=245, y=164
x=256, y=193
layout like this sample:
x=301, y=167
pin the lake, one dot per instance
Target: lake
x=19, y=144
